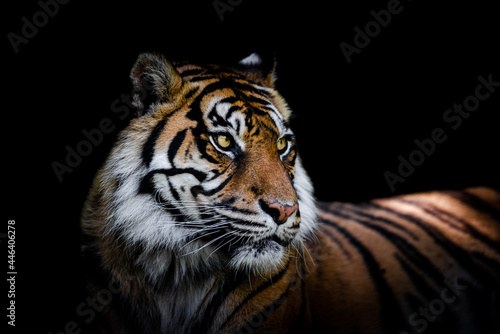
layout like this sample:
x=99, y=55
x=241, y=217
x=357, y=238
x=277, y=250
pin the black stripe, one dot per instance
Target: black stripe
x=359, y=211
x=215, y=118
x=240, y=89
x=254, y=99
x=248, y=88
x=243, y=223
x=235, y=228
x=453, y=221
x=196, y=115
x=196, y=190
x=266, y=107
x=237, y=87
x=199, y=175
x=472, y=264
x=229, y=99
x=446, y=322
x=231, y=110
x=409, y=251
x=211, y=308
x=175, y=144
x=202, y=78
x=149, y=147
x=475, y=203
x=421, y=285
x=334, y=239
x=146, y=186
x=261, y=316
x=192, y=72
x=391, y=315
x=191, y=93
x=175, y=194
x=240, y=210
x=303, y=302
x=229, y=201
x=259, y=289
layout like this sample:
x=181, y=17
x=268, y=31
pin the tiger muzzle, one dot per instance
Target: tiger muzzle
x=278, y=211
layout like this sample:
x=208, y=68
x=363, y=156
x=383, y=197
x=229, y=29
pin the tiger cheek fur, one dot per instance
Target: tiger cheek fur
x=204, y=217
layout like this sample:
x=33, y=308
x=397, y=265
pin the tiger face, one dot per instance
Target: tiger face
x=209, y=169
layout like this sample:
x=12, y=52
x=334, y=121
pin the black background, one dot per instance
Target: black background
x=352, y=121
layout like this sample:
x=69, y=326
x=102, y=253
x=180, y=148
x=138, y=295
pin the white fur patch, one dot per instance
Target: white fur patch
x=253, y=59
x=307, y=203
x=254, y=259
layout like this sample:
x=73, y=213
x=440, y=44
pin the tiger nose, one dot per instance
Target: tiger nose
x=278, y=211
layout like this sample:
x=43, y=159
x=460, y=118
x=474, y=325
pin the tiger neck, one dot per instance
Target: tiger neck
x=222, y=301
x=270, y=302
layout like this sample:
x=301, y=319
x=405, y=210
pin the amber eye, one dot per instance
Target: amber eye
x=281, y=144
x=223, y=141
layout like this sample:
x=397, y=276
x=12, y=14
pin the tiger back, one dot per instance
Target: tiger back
x=417, y=263
x=202, y=219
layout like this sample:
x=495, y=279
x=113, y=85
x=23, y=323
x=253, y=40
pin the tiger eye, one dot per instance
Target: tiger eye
x=281, y=144
x=223, y=141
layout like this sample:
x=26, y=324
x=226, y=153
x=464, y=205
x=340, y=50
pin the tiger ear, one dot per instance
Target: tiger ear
x=258, y=68
x=155, y=80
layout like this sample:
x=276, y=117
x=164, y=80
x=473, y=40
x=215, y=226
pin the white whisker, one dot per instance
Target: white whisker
x=199, y=237
x=225, y=243
x=209, y=243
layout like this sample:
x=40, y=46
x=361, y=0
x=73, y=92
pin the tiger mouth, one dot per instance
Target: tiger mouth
x=263, y=242
x=228, y=245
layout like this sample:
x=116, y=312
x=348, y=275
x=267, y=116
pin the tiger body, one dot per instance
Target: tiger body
x=204, y=217
x=409, y=264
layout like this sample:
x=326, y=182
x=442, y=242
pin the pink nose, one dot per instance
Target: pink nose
x=284, y=211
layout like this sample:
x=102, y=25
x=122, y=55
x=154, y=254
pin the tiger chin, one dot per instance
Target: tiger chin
x=204, y=218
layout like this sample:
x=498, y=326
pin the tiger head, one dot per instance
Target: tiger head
x=208, y=170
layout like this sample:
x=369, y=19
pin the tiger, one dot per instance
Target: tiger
x=203, y=219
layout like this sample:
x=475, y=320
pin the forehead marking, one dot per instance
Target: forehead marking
x=233, y=104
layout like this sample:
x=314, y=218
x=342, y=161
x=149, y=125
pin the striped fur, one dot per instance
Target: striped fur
x=204, y=217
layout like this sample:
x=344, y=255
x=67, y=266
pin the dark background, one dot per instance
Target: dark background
x=352, y=121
